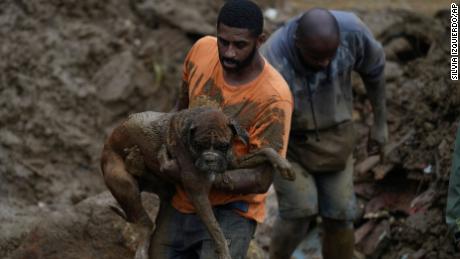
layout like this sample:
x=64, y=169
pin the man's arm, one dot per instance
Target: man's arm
x=183, y=96
x=182, y=100
x=370, y=64
x=271, y=130
x=245, y=181
x=238, y=181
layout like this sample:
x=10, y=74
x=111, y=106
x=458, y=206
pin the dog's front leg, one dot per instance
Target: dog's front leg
x=259, y=156
x=197, y=188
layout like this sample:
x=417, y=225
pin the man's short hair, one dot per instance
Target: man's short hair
x=243, y=14
x=318, y=22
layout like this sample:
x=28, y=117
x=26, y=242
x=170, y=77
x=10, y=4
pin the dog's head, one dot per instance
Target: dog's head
x=209, y=136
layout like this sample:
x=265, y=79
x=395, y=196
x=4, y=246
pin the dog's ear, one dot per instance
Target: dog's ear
x=189, y=136
x=190, y=131
x=239, y=131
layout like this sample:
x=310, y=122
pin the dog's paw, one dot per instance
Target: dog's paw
x=169, y=167
x=286, y=171
x=134, y=161
x=142, y=253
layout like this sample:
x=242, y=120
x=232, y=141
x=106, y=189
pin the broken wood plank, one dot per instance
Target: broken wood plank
x=376, y=240
x=381, y=170
x=364, y=230
x=374, y=160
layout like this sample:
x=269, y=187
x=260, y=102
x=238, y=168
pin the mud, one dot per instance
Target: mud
x=71, y=70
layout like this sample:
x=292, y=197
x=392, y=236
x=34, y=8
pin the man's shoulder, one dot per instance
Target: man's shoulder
x=275, y=85
x=281, y=39
x=206, y=41
x=349, y=21
x=203, y=54
x=204, y=46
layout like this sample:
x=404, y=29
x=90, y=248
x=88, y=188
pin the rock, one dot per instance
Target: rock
x=393, y=71
x=193, y=16
x=114, y=79
x=396, y=47
x=9, y=138
x=88, y=230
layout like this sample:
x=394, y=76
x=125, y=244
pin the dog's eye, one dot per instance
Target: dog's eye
x=223, y=147
x=200, y=146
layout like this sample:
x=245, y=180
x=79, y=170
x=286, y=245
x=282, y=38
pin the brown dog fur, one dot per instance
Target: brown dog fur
x=137, y=155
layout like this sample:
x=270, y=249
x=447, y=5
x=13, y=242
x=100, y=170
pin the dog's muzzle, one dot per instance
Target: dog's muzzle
x=211, y=161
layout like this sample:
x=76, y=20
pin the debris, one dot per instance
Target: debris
x=428, y=169
x=364, y=230
x=376, y=239
x=372, y=161
x=271, y=14
x=423, y=201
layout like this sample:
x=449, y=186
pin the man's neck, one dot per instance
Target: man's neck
x=247, y=74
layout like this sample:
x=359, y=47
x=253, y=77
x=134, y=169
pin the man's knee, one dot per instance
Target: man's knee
x=299, y=198
x=286, y=227
x=335, y=224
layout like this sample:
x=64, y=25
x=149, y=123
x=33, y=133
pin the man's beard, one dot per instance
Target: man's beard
x=239, y=65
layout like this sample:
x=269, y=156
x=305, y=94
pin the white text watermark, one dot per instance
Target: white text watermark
x=454, y=41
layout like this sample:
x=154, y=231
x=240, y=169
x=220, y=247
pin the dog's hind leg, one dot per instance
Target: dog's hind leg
x=122, y=185
x=126, y=191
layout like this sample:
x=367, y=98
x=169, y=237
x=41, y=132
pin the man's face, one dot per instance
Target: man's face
x=316, y=54
x=237, y=47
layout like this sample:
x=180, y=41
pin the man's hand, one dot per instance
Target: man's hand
x=456, y=240
x=455, y=231
x=378, y=138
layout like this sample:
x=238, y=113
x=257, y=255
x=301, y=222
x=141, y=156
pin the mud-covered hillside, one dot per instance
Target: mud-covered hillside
x=71, y=70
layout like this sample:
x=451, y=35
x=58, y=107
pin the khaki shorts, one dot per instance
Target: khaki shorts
x=329, y=194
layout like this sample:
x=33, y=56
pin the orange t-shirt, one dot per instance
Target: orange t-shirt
x=263, y=107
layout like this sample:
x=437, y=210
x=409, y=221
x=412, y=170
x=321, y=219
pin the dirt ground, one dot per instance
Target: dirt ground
x=71, y=70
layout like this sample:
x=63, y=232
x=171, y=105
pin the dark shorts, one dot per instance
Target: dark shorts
x=183, y=236
x=329, y=194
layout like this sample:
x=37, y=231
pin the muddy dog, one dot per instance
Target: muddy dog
x=140, y=152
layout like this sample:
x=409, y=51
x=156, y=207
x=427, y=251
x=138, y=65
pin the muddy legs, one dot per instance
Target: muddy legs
x=338, y=239
x=286, y=236
x=337, y=243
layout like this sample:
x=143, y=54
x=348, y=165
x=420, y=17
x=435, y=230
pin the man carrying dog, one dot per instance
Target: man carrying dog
x=316, y=53
x=228, y=72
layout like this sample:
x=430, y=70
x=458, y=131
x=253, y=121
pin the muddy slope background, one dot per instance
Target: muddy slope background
x=71, y=70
